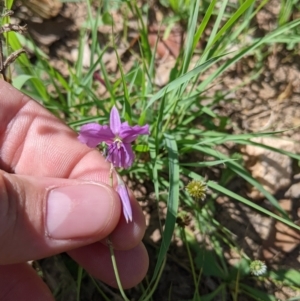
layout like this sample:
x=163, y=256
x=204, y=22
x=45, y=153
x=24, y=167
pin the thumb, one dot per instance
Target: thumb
x=40, y=217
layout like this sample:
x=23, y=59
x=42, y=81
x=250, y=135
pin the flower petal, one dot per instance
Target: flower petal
x=120, y=155
x=115, y=121
x=114, y=155
x=129, y=155
x=123, y=193
x=93, y=133
x=129, y=134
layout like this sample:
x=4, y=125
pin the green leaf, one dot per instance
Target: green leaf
x=9, y=3
x=207, y=262
x=173, y=201
x=203, y=24
x=256, y=294
x=225, y=191
x=107, y=18
x=20, y=80
x=219, y=291
x=289, y=276
x=182, y=79
x=232, y=19
x=242, y=172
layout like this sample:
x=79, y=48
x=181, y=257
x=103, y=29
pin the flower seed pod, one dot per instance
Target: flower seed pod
x=258, y=267
x=197, y=189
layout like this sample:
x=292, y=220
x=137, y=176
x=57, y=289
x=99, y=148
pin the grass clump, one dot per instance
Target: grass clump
x=188, y=132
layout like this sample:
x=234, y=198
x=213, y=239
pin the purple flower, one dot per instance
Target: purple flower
x=118, y=136
x=123, y=193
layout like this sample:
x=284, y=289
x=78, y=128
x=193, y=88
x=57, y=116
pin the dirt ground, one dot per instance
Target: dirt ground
x=269, y=101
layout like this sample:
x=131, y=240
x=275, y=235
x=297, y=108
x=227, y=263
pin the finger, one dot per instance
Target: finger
x=21, y=282
x=132, y=264
x=40, y=217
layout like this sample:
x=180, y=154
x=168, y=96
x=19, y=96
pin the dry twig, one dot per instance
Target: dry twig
x=5, y=63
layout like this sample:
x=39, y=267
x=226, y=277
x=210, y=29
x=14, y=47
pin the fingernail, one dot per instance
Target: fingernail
x=78, y=211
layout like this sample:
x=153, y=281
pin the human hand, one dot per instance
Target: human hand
x=55, y=197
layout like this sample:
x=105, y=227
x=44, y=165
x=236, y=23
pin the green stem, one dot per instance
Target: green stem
x=111, y=175
x=191, y=261
x=111, y=249
x=235, y=296
x=115, y=267
x=79, y=278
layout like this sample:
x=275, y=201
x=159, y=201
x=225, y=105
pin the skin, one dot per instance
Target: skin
x=39, y=152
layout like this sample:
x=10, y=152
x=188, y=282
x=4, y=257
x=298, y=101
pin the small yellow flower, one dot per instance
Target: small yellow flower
x=197, y=189
x=258, y=267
